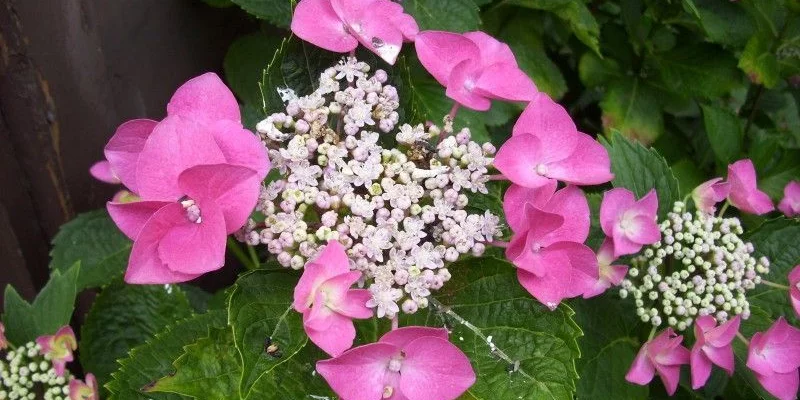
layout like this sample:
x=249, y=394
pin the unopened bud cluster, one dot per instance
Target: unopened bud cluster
x=700, y=266
x=25, y=374
x=396, y=202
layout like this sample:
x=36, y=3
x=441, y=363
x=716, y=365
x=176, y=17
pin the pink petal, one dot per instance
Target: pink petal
x=790, y=204
x=131, y=217
x=434, y=368
x=721, y=356
x=492, y=51
x=541, y=224
x=462, y=84
x=570, y=203
x=515, y=198
x=439, y=52
x=145, y=265
x=354, y=305
x=204, y=97
x=402, y=336
x=624, y=246
x=337, y=338
x=570, y=269
x=646, y=231
x=744, y=193
x=545, y=115
x=589, y=164
x=700, y=368
x=123, y=149
x=709, y=193
x=336, y=287
x=195, y=248
x=330, y=262
x=382, y=38
x=358, y=373
x=615, y=203
x=724, y=334
x=175, y=145
x=518, y=160
x=231, y=189
x=101, y=171
x=782, y=386
x=642, y=370
x=505, y=82
x=670, y=376
x=241, y=147
x=407, y=25
x=315, y=21
x=320, y=316
x=794, y=290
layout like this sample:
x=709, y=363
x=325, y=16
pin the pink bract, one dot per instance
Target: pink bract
x=80, y=390
x=630, y=223
x=339, y=25
x=58, y=347
x=3, y=340
x=328, y=305
x=546, y=146
x=474, y=67
x=663, y=355
x=774, y=357
x=712, y=346
x=609, y=275
x=794, y=289
x=101, y=171
x=790, y=204
x=744, y=193
x=412, y=363
x=709, y=193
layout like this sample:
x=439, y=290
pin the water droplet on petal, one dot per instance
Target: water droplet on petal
x=377, y=42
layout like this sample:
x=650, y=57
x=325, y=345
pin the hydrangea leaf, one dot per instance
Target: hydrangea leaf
x=219, y=3
x=518, y=348
x=51, y=309
x=260, y=308
x=777, y=240
x=444, y=15
x=93, y=239
x=245, y=62
x=152, y=360
x=632, y=107
x=277, y=12
x=703, y=70
x=297, y=378
x=595, y=71
x=759, y=62
x=124, y=316
x=575, y=14
x=725, y=133
x=640, y=169
x=723, y=22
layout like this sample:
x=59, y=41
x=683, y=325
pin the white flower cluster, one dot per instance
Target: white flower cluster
x=24, y=373
x=398, y=208
x=700, y=267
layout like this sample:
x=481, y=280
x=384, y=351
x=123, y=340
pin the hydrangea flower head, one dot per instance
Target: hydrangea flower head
x=630, y=223
x=58, y=348
x=774, y=357
x=712, y=346
x=709, y=193
x=794, y=289
x=663, y=355
x=546, y=146
x=80, y=390
x=474, y=67
x=790, y=203
x=413, y=363
x=609, y=274
x=328, y=305
x=744, y=193
x=339, y=25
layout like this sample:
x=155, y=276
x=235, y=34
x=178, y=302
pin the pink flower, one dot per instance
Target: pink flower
x=411, y=363
x=328, y=305
x=78, y=390
x=744, y=193
x=794, y=289
x=474, y=67
x=609, y=275
x=709, y=193
x=3, y=340
x=101, y=171
x=663, y=355
x=790, y=204
x=547, y=146
x=630, y=223
x=339, y=25
x=774, y=357
x=547, y=244
x=712, y=346
x=58, y=348
x=176, y=241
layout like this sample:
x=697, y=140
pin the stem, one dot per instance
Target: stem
x=775, y=285
x=238, y=253
x=454, y=111
x=742, y=338
x=499, y=243
x=497, y=177
x=652, y=333
x=724, y=208
x=253, y=257
x=395, y=322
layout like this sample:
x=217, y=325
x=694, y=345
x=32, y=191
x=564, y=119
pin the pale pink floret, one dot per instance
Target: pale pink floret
x=546, y=146
x=547, y=244
x=744, y=193
x=794, y=289
x=663, y=355
x=712, y=346
x=411, y=363
x=474, y=67
x=609, y=275
x=328, y=304
x=790, y=204
x=339, y=25
x=3, y=340
x=80, y=390
x=59, y=348
x=709, y=193
x=630, y=223
x=774, y=357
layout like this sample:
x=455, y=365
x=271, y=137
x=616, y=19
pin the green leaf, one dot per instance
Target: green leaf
x=640, y=169
x=725, y=133
x=595, y=71
x=518, y=348
x=124, y=316
x=724, y=22
x=260, y=307
x=759, y=62
x=632, y=108
x=703, y=70
x=444, y=15
x=218, y=3
x=688, y=175
x=277, y=12
x=296, y=379
x=547, y=5
x=574, y=13
x=152, y=360
x=93, y=239
x=51, y=309
x=245, y=62
x=776, y=239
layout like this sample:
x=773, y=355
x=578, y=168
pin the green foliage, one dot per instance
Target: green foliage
x=724, y=130
x=632, y=108
x=51, y=309
x=444, y=15
x=123, y=317
x=94, y=240
x=245, y=62
x=277, y=12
